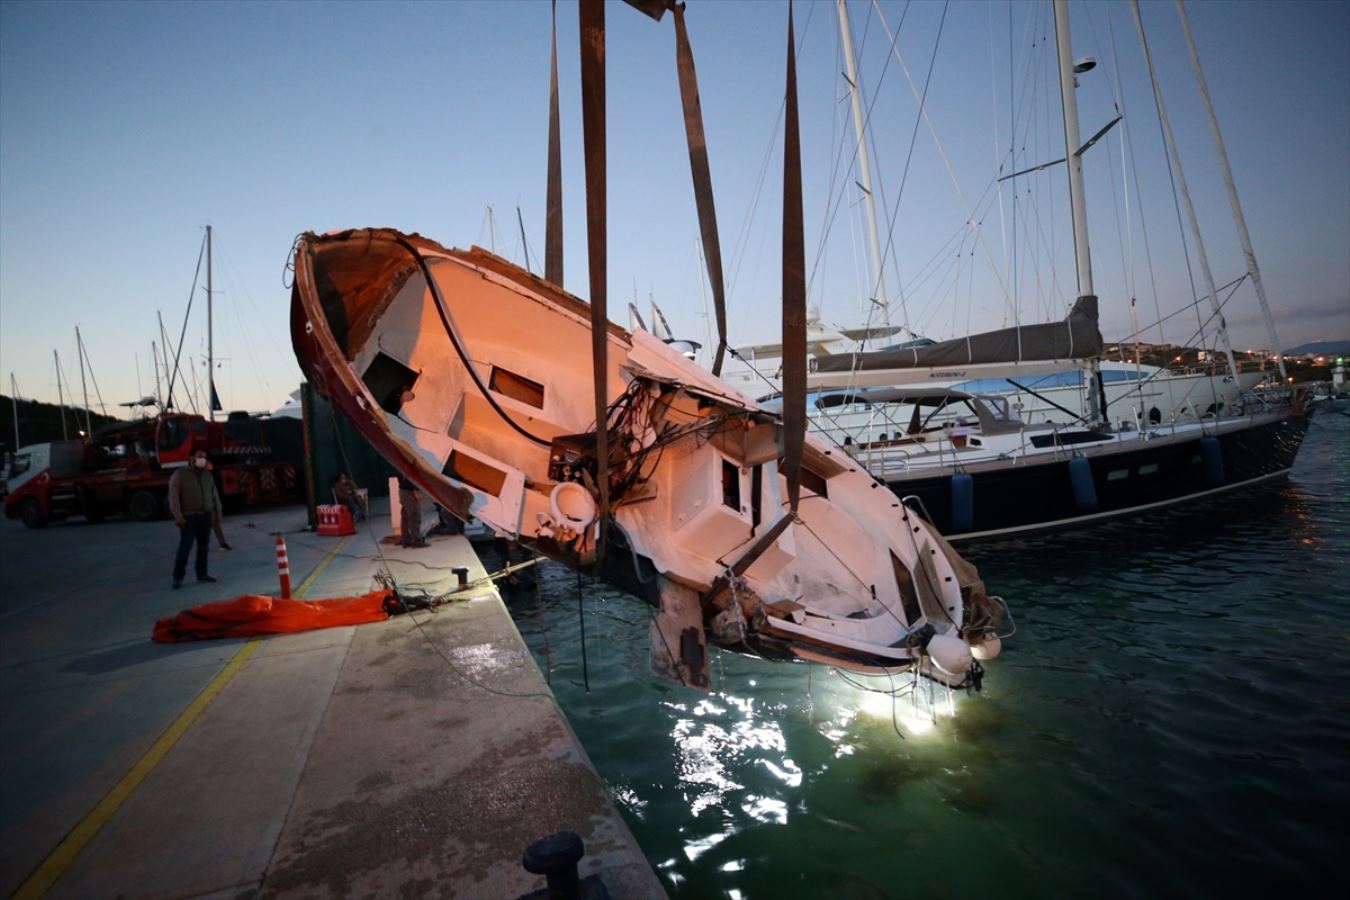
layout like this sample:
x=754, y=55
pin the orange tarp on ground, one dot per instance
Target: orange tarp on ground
x=252, y=614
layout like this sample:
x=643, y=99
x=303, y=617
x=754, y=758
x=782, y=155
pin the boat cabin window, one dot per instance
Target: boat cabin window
x=909, y=597
x=1067, y=438
x=475, y=473
x=387, y=379
x=756, y=495
x=731, y=486
x=517, y=387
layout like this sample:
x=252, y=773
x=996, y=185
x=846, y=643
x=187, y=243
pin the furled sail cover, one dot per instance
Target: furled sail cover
x=1077, y=337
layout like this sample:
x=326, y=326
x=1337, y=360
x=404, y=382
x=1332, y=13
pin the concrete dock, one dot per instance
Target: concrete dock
x=416, y=757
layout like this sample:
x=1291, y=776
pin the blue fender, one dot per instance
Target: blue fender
x=1084, y=491
x=1211, y=455
x=963, y=503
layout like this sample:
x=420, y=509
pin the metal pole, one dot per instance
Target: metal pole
x=864, y=167
x=154, y=355
x=1073, y=160
x=168, y=379
x=84, y=388
x=1185, y=192
x=524, y=245
x=1238, y=218
x=210, y=347
x=60, y=396
x=14, y=404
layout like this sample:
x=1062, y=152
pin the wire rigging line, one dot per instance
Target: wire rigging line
x=973, y=221
x=97, y=393
x=186, y=315
x=913, y=137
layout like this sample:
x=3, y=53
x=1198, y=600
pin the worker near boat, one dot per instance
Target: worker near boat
x=195, y=506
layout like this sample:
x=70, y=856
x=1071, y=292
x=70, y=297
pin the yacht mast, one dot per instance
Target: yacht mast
x=14, y=405
x=169, y=379
x=864, y=167
x=154, y=355
x=1077, y=200
x=210, y=349
x=60, y=396
x=84, y=388
x=1238, y=218
x=525, y=247
x=1185, y=192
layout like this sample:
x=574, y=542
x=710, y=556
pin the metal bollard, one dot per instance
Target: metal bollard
x=283, y=568
x=556, y=857
x=462, y=574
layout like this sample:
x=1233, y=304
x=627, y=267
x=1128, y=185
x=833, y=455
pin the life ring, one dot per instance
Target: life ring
x=572, y=505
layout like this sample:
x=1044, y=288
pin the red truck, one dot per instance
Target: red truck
x=125, y=469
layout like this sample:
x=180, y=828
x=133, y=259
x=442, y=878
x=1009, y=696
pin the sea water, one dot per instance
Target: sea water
x=1172, y=718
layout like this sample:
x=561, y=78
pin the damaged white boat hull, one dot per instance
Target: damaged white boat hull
x=474, y=379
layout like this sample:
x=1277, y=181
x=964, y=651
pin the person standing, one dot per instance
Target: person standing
x=410, y=522
x=195, y=505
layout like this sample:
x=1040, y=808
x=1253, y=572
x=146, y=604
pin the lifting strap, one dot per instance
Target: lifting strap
x=794, y=287
x=703, y=190
x=553, y=238
x=592, y=15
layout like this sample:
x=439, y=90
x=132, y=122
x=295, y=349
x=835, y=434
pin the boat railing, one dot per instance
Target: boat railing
x=885, y=460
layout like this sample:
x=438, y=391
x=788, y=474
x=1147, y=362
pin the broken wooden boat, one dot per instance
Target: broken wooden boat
x=473, y=377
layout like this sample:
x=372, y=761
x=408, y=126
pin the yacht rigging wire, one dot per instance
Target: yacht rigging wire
x=183, y=332
x=1175, y=169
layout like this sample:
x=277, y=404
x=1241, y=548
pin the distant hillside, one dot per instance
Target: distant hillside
x=1320, y=348
x=40, y=422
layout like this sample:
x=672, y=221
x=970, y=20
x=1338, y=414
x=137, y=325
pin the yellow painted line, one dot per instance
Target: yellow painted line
x=60, y=859
x=318, y=570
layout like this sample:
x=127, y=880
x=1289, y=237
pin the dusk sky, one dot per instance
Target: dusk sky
x=125, y=128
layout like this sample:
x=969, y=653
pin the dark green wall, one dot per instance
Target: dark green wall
x=334, y=445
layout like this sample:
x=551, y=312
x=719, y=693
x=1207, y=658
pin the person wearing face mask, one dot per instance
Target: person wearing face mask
x=195, y=505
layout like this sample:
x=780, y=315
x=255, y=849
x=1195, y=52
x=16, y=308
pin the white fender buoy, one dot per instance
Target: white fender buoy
x=950, y=654
x=989, y=648
x=572, y=505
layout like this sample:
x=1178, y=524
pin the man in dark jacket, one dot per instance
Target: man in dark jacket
x=195, y=505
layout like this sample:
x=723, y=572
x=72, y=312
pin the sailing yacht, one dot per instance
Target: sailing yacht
x=923, y=419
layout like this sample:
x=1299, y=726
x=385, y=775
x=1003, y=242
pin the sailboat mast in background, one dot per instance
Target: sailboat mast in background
x=14, y=405
x=60, y=396
x=210, y=346
x=84, y=387
x=1073, y=159
x=1185, y=191
x=877, y=290
x=1238, y=219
